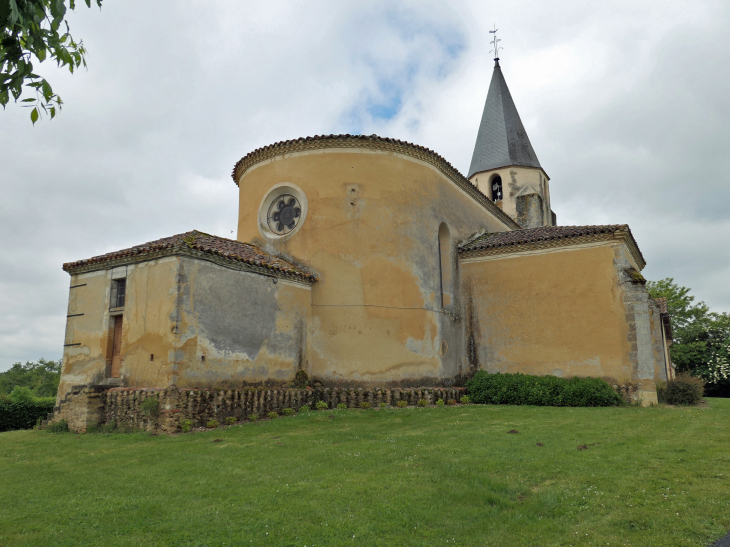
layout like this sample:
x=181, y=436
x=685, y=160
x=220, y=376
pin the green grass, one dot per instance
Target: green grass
x=434, y=476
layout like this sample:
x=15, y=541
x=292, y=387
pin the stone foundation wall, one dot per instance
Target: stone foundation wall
x=89, y=407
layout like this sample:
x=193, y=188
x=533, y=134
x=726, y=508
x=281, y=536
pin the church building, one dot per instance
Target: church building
x=363, y=261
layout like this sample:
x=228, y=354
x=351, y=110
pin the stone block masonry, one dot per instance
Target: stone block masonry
x=87, y=407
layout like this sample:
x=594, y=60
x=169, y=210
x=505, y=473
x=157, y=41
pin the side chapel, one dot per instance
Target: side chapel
x=366, y=261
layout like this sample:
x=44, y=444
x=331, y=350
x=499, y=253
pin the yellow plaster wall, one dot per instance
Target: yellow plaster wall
x=558, y=313
x=150, y=300
x=371, y=231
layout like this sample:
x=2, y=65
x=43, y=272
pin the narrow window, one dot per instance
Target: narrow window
x=497, y=188
x=445, y=264
x=119, y=290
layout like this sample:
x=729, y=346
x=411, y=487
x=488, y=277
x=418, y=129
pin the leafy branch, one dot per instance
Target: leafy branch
x=33, y=29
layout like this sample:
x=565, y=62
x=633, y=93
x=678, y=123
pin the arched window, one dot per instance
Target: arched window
x=497, y=188
x=445, y=265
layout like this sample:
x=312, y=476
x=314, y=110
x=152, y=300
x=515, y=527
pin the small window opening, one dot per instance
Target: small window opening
x=497, y=188
x=119, y=290
x=202, y=358
x=152, y=356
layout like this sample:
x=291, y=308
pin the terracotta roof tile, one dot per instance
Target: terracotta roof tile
x=219, y=246
x=344, y=136
x=662, y=302
x=481, y=241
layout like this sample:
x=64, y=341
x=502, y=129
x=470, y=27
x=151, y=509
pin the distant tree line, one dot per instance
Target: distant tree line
x=30, y=380
x=701, y=338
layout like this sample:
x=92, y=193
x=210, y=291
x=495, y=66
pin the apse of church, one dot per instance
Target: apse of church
x=363, y=261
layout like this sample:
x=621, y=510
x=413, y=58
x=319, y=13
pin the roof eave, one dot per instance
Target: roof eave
x=75, y=268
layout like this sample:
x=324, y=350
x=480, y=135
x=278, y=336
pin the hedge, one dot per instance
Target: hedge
x=23, y=415
x=523, y=389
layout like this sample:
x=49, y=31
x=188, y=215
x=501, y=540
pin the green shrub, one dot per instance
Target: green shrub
x=24, y=415
x=305, y=408
x=402, y=404
x=522, y=389
x=186, y=425
x=365, y=405
x=105, y=428
x=150, y=407
x=231, y=420
x=422, y=402
x=440, y=402
x=465, y=400
x=212, y=424
x=288, y=412
x=321, y=405
x=383, y=405
x=683, y=390
x=61, y=426
x=253, y=417
x=273, y=414
x=341, y=406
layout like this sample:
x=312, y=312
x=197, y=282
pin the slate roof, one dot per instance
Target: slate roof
x=227, y=249
x=482, y=241
x=502, y=140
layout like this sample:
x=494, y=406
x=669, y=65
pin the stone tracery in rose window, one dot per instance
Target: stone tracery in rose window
x=284, y=214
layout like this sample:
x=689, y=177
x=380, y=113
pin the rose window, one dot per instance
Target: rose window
x=284, y=214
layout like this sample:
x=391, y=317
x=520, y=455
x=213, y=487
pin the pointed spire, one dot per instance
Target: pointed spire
x=502, y=140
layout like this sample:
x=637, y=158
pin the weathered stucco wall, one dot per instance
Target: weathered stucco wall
x=517, y=181
x=569, y=312
x=145, y=328
x=177, y=311
x=371, y=231
x=237, y=327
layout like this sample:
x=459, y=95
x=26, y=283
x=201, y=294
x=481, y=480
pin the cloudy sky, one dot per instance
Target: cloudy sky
x=625, y=102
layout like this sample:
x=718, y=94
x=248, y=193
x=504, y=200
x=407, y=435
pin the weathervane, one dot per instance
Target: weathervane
x=495, y=42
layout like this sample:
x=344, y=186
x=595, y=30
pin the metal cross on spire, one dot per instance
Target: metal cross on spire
x=495, y=42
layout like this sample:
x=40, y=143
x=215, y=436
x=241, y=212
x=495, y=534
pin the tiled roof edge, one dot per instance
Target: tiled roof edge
x=472, y=248
x=185, y=246
x=319, y=142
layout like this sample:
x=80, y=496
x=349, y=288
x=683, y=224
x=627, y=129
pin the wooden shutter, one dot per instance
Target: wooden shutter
x=117, y=347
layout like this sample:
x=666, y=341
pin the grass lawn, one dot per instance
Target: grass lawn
x=434, y=476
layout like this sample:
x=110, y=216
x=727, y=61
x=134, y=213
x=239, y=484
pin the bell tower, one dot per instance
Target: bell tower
x=504, y=165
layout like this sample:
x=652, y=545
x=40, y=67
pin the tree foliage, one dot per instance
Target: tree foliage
x=36, y=30
x=701, y=337
x=40, y=379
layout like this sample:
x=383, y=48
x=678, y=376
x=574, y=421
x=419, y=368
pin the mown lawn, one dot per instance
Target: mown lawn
x=436, y=476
